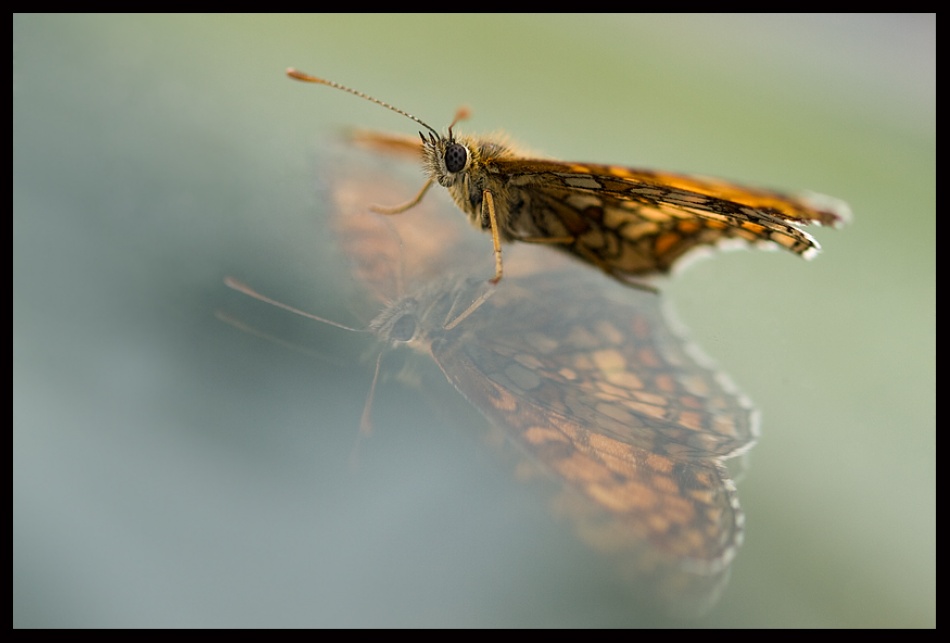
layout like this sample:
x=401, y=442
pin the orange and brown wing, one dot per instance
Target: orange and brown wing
x=393, y=144
x=633, y=222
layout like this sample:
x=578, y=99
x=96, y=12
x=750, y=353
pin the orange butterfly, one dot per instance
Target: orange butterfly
x=630, y=223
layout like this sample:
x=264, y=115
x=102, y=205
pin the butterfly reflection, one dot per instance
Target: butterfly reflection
x=584, y=375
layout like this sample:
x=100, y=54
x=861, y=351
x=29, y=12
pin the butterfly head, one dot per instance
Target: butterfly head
x=446, y=158
x=434, y=308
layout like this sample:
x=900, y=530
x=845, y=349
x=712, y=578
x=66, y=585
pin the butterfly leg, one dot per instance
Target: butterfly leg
x=566, y=241
x=399, y=209
x=489, y=202
x=632, y=282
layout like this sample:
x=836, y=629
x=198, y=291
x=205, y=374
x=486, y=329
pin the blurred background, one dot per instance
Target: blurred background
x=170, y=470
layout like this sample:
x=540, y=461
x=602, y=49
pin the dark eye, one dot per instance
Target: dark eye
x=455, y=157
x=404, y=329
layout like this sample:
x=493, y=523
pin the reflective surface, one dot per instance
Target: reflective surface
x=171, y=471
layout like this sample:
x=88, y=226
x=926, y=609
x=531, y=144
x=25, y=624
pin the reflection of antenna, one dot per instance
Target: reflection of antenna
x=241, y=287
x=242, y=326
x=366, y=424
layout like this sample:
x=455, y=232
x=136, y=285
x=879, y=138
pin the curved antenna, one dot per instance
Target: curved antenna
x=307, y=78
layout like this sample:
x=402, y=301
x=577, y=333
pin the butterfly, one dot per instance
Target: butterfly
x=630, y=223
x=628, y=426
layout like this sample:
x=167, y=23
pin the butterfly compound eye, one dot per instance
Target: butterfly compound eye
x=455, y=157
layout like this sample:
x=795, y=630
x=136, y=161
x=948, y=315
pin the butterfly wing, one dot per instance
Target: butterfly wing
x=636, y=222
x=409, y=147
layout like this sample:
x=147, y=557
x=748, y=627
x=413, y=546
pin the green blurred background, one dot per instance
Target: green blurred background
x=170, y=470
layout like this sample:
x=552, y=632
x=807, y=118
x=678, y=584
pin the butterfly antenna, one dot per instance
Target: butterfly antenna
x=307, y=78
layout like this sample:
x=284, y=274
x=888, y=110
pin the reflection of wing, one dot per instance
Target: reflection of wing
x=604, y=398
x=615, y=367
x=584, y=375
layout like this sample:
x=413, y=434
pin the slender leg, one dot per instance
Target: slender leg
x=489, y=202
x=399, y=209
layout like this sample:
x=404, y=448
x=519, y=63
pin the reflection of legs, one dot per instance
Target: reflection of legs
x=472, y=307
